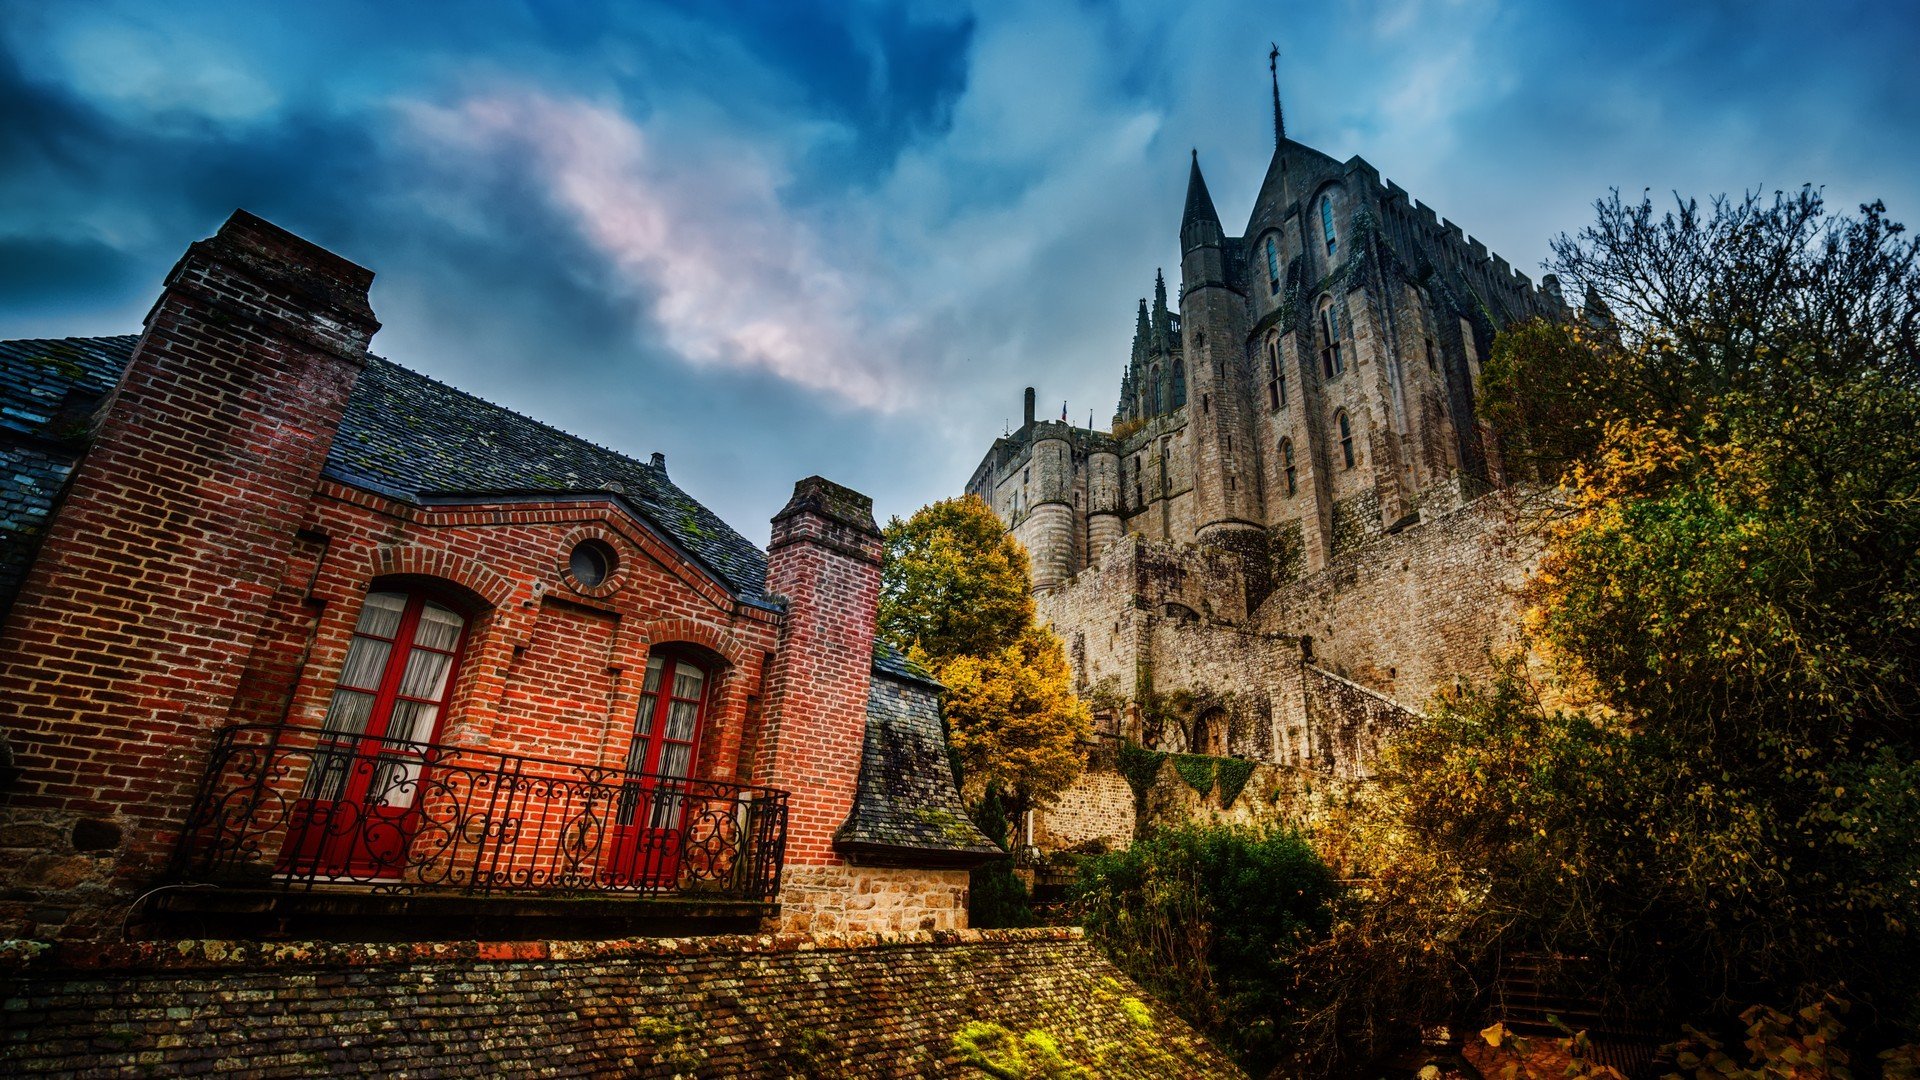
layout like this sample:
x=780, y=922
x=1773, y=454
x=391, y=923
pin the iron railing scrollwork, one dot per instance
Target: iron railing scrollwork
x=299, y=808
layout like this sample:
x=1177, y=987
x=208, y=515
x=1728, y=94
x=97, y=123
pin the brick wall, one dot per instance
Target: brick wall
x=867, y=1005
x=824, y=558
x=129, y=637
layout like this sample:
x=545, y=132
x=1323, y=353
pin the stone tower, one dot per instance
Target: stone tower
x=1213, y=320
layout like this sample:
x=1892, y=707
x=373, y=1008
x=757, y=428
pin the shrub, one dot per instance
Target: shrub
x=1209, y=917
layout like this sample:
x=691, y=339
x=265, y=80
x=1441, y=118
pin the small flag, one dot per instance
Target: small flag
x=1063, y=412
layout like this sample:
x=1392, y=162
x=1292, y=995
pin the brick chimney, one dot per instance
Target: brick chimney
x=129, y=637
x=825, y=560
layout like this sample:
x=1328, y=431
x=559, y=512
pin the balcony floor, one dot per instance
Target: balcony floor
x=355, y=913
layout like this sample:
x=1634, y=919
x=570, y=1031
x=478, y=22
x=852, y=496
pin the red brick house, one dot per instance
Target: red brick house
x=299, y=640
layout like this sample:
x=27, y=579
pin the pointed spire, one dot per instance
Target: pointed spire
x=1279, y=118
x=1140, y=327
x=1199, y=202
x=1159, y=292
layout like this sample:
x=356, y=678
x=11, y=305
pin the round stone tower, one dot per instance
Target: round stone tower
x=1103, y=503
x=1048, y=529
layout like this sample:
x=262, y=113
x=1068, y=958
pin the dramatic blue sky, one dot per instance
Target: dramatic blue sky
x=772, y=240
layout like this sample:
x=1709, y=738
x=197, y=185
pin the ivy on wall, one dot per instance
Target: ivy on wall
x=1196, y=770
x=1232, y=774
x=1140, y=766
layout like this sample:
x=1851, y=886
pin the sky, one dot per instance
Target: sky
x=772, y=239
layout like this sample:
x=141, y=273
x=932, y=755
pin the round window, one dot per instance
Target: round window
x=591, y=563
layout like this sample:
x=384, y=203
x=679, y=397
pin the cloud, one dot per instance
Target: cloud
x=730, y=275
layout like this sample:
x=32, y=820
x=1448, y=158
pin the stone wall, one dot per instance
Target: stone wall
x=792, y=1006
x=872, y=898
x=1096, y=811
x=1408, y=613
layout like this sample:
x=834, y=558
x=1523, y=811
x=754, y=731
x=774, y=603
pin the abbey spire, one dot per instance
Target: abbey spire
x=1200, y=224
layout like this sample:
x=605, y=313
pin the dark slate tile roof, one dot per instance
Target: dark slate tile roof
x=414, y=439
x=888, y=660
x=44, y=381
x=49, y=393
x=907, y=810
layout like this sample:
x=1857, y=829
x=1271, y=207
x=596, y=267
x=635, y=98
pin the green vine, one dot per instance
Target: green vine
x=1233, y=774
x=1196, y=770
x=1139, y=765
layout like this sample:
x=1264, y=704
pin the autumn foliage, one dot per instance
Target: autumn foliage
x=1704, y=779
x=956, y=595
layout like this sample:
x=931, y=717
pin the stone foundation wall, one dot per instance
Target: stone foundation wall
x=859, y=1005
x=815, y=899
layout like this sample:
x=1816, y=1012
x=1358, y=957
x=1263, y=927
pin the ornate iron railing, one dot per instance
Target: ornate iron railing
x=297, y=808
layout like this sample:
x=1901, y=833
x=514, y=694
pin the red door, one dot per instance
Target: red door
x=651, y=808
x=358, y=809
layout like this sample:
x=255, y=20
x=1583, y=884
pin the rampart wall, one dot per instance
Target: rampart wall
x=1408, y=613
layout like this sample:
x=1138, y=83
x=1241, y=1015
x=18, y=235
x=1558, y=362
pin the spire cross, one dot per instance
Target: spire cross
x=1279, y=118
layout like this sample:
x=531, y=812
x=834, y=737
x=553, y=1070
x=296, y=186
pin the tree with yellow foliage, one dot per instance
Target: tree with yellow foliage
x=1016, y=722
x=956, y=595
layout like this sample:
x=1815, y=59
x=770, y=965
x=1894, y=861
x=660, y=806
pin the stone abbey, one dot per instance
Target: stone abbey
x=1284, y=525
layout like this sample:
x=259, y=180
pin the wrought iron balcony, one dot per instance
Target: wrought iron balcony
x=289, y=809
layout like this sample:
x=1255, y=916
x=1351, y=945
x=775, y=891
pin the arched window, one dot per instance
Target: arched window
x=1154, y=390
x=1286, y=468
x=392, y=689
x=1276, y=378
x=666, y=726
x=1326, y=222
x=1179, y=384
x=1330, y=361
x=356, y=814
x=389, y=698
x=1273, y=265
x=1346, y=437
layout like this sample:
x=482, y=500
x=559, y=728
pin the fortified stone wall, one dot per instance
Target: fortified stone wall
x=1407, y=614
x=853, y=1005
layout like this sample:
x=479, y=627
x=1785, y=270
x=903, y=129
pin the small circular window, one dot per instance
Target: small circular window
x=591, y=563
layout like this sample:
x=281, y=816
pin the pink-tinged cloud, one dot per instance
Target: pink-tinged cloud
x=728, y=275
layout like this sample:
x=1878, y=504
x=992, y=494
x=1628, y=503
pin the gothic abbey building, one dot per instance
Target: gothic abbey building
x=1283, y=527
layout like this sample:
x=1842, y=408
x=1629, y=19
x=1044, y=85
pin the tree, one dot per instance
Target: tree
x=1725, y=800
x=954, y=583
x=1016, y=722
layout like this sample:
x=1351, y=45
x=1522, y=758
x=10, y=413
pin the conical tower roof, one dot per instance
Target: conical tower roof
x=1199, y=201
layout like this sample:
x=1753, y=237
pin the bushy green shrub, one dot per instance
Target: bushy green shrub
x=1209, y=918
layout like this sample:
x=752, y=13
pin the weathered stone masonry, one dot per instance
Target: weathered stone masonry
x=866, y=1005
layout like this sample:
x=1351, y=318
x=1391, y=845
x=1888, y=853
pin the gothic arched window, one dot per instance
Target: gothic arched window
x=1346, y=437
x=1179, y=384
x=1286, y=467
x=1276, y=381
x=1273, y=265
x=1330, y=362
x=1326, y=222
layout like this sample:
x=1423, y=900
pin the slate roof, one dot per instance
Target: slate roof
x=45, y=383
x=49, y=392
x=907, y=810
x=411, y=438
